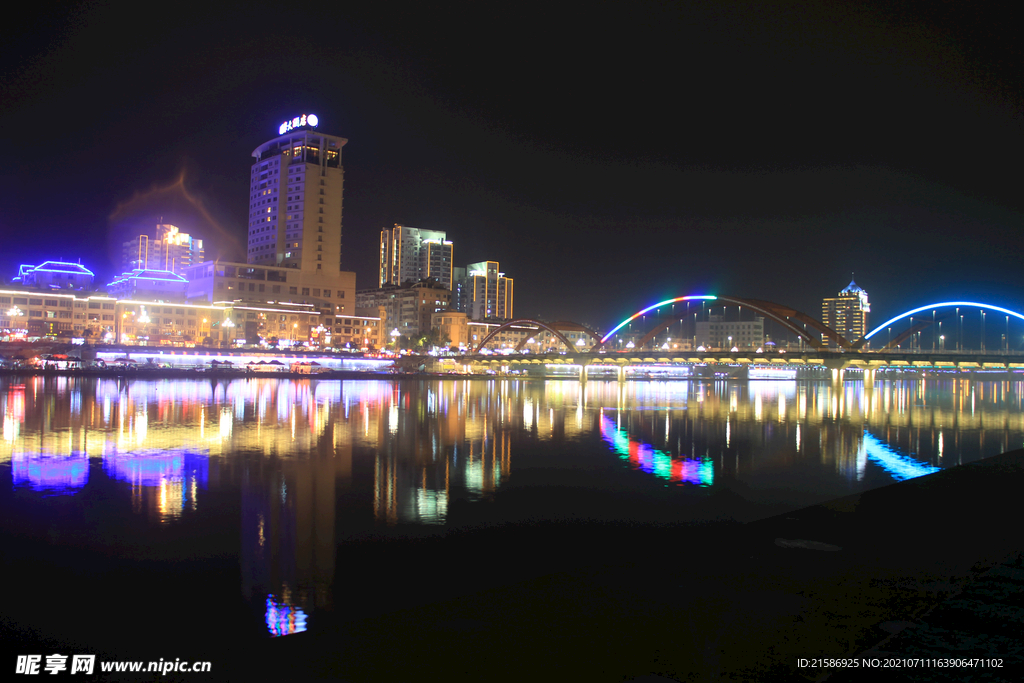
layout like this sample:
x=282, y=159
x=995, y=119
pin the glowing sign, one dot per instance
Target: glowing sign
x=298, y=122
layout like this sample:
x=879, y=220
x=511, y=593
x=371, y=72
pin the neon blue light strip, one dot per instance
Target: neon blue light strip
x=946, y=304
x=650, y=308
x=141, y=277
x=78, y=268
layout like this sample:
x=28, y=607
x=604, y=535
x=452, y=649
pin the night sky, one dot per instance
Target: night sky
x=608, y=157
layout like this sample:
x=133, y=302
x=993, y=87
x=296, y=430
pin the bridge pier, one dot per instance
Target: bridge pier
x=869, y=378
x=583, y=373
x=622, y=374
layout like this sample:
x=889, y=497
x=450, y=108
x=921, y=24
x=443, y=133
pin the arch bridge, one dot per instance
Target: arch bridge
x=786, y=316
x=810, y=331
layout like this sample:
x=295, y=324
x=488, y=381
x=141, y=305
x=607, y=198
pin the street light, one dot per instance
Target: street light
x=942, y=342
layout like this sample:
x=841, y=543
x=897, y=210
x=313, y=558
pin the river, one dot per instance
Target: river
x=275, y=479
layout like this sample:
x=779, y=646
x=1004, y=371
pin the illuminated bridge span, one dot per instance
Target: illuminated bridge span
x=665, y=318
x=925, y=322
x=783, y=315
x=661, y=341
x=684, y=324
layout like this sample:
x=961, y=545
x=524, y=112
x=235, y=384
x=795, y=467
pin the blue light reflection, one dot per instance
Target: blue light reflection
x=900, y=467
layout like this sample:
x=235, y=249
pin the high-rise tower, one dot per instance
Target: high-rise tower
x=171, y=250
x=411, y=254
x=483, y=292
x=846, y=313
x=295, y=199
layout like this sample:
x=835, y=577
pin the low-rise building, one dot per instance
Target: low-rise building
x=56, y=275
x=408, y=308
x=31, y=313
x=453, y=326
x=719, y=334
x=231, y=284
x=159, y=285
x=364, y=330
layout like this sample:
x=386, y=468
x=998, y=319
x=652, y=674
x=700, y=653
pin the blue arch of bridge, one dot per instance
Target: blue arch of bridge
x=944, y=304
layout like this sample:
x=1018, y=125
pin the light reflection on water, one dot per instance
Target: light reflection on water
x=309, y=463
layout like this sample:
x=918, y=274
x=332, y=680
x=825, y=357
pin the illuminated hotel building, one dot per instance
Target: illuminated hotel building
x=482, y=291
x=295, y=198
x=846, y=313
x=294, y=244
x=411, y=254
x=172, y=250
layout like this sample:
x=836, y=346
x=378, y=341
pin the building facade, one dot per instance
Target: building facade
x=718, y=334
x=411, y=254
x=407, y=308
x=32, y=313
x=365, y=330
x=243, y=284
x=483, y=292
x=172, y=250
x=295, y=200
x=158, y=285
x=56, y=275
x=846, y=313
x=453, y=326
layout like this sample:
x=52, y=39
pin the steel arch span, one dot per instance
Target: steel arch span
x=773, y=311
x=945, y=304
x=550, y=327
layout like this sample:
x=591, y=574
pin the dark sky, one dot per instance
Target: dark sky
x=608, y=157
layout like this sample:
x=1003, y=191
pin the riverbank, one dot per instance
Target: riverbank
x=144, y=373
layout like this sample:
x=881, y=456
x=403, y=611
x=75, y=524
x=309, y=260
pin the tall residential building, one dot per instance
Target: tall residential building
x=482, y=291
x=295, y=198
x=846, y=313
x=172, y=250
x=411, y=254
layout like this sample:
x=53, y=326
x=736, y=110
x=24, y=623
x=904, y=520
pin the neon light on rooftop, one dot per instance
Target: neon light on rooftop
x=945, y=304
x=71, y=268
x=699, y=297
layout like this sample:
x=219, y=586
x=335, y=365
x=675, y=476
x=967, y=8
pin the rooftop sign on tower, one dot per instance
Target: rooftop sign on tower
x=298, y=122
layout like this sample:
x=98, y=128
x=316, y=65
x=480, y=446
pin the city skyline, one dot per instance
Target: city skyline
x=769, y=158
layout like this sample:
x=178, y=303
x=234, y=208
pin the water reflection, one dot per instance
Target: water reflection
x=51, y=474
x=307, y=463
x=169, y=478
x=644, y=457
